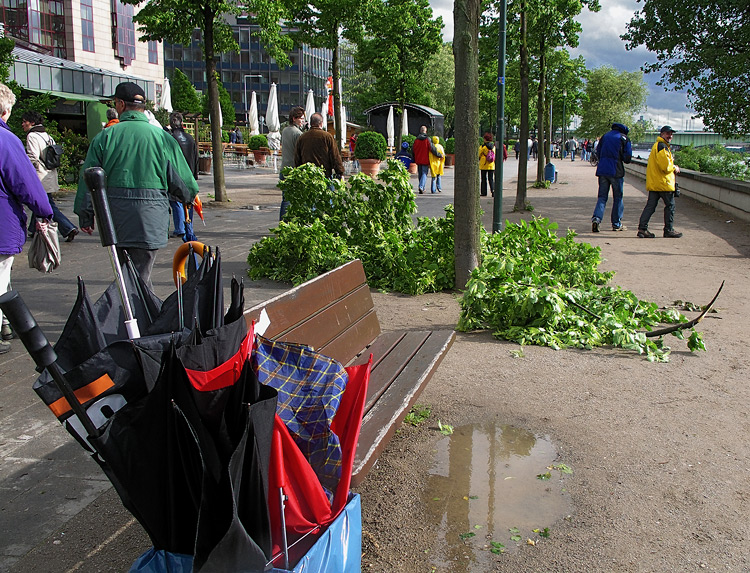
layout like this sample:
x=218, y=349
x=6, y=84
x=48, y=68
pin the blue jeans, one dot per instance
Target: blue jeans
x=64, y=226
x=653, y=201
x=178, y=216
x=284, y=202
x=422, y=170
x=617, y=205
x=436, y=181
x=573, y=155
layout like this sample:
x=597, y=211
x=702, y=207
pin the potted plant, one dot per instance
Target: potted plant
x=450, y=152
x=258, y=144
x=370, y=151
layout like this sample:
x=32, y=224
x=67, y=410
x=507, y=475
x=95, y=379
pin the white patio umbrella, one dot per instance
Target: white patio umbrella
x=166, y=96
x=390, y=127
x=272, y=120
x=343, y=127
x=310, y=106
x=404, y=124
x=252, y=121
x=324, y=113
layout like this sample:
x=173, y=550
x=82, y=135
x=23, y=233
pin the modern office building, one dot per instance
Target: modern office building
x=253, y=70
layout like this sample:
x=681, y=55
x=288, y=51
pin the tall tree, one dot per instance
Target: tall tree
x=321, y=24
x=175, y=20
x=703, y=47
x=400, y=38
x=612, y=96
x=185, y=98
x=440, y=83
x=228, y=113
x=466, y=194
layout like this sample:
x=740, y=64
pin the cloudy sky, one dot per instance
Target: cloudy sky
x=600, y=44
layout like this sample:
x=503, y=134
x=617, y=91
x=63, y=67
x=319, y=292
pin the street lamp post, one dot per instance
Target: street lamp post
x=244, y=94
x=565, y=95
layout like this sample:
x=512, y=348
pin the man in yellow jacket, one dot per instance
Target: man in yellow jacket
x=660, y=184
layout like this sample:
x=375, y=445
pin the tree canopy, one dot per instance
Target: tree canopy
x=185, y=98
x=703, y=47
x=401, y=37
x=612, y=96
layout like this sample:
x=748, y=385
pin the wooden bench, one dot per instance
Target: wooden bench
x=334, y=314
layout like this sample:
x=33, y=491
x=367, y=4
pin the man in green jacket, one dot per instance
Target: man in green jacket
x=660, y=184
x=145, y=168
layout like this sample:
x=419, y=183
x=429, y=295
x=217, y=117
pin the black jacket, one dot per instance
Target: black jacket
x=188, y=147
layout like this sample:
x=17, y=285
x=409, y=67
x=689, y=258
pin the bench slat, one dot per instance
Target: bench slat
x=348, y=345
x=297, y=305
x=392, y=364
x=381, y=422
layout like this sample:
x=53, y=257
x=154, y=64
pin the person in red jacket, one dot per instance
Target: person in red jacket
x=422, y=147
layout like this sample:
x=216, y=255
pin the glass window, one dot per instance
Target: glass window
x=153, y=52
x=124, y=32
x=87, y=25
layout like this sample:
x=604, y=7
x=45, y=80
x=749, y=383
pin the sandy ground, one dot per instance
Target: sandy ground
x=659, y=452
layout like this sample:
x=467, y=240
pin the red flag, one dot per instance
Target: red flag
x=330, y=105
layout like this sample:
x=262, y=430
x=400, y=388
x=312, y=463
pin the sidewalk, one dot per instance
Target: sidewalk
x=58, y=511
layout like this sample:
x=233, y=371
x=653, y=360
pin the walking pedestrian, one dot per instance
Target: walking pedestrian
x=615, y=151
x=517, y=148
x=19, y=185
x=487, y=164
x=422, y=147
x=437, y=164
x=289, y=137
x=660, y=184
x=190, y=152
x=318, y=147
x=572, y=146
x=145, y=168
x=37, y=141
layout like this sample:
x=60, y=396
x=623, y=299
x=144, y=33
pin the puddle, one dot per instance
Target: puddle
x=484, y=482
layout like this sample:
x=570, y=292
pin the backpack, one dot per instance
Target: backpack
x=490, y=155
x=50, y=156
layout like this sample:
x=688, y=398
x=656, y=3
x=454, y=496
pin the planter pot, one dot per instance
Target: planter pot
x=450, y=159
x=204, y=165
x=370, y=167
x=260, y=155
x=413, y=168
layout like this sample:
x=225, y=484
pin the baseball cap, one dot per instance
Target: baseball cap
x=667, y=128
x=130, y=92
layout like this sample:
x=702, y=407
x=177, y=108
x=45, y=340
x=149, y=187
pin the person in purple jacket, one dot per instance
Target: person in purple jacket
x=19, y=186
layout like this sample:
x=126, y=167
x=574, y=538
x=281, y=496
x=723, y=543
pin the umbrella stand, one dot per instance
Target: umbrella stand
x=40, y=350
x=95, y=180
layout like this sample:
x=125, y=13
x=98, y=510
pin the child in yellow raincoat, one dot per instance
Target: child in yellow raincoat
x=437, y=164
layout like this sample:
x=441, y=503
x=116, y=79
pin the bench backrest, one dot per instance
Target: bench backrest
x=333, y=313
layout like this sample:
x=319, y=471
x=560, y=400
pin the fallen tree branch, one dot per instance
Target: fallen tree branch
x=688, y=324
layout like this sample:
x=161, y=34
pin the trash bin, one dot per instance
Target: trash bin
x=549, y=172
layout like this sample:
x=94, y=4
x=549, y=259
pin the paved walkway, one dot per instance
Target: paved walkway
x=58, y=511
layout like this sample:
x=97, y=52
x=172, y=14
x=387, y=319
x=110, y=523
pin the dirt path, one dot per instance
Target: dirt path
x=659, y=452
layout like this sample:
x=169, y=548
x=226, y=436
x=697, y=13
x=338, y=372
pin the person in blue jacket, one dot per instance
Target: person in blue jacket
x=19, y=186
x=614, y=150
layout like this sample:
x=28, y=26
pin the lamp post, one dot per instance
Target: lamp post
x=497, y=204
x=244, y=94
x=565, y=95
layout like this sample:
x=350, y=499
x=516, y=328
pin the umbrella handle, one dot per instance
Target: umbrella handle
x=96, y=181
x=180, y=258
x=40, y=350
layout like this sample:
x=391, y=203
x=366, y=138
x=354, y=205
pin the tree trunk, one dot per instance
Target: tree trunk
x=523, y=135
x=220, y=190
x=337, y=93
x=467, y=252
x=540, y=115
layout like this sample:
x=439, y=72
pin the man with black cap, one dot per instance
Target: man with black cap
x=614, y=151
x=145, y=168
x=660, y=184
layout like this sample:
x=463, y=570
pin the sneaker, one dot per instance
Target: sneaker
x=594, y=227
x=620, y=228
x=4, y=346
x=421, y=191
x=6, y=332
x=70, y=236
x=176, y=235
x=672, y=234
x=645, y=234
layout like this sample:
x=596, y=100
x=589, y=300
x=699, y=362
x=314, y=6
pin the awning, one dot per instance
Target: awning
x=70, y=96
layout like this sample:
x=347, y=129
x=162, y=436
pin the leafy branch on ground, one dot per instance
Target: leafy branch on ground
x=534, y=287
x=331, y=222
x=418, y=415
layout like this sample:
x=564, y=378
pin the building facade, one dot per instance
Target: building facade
x=253, y=70
x=80, y=47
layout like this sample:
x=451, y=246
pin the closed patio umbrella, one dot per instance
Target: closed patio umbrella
x=405, y=123
x=390, y=127
x=272, y=119
x=166, y=96
x=253, y=119
x=310, y=105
